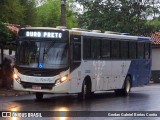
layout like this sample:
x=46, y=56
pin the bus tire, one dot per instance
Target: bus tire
x=126, y=88
x=86, y=90
x=39, y=96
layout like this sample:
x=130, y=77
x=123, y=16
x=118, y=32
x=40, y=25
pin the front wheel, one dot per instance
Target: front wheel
x=86, y=91
x=39, y=96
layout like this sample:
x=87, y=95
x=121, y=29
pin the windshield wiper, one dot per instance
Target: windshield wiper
x=46, y=51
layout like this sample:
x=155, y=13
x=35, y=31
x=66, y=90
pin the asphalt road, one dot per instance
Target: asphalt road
x=141, y=99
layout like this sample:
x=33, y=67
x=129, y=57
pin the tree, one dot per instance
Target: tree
x=30, y=14
x=49, y=14
x=11, y=11
x=63, y=12
x=5, y=34
x=155, y=24
x=116, y=15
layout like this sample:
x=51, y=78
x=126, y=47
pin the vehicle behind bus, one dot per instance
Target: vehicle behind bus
x=7, y=57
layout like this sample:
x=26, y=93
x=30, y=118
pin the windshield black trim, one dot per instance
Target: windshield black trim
x=39, y=72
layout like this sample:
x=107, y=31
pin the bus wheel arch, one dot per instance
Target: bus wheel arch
x=86, y=89
x=125, y=88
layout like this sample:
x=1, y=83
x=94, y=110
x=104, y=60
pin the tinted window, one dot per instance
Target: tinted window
x=87, y=48
x=115, y=49
x=124, y=49
x=105, y=49
x=140, y=50
x=76, y=51
x=147, y=50
x=132, y=50
x=76, y=45
x=95, y=48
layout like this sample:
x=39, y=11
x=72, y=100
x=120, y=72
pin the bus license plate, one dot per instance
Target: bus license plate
x=36, y=87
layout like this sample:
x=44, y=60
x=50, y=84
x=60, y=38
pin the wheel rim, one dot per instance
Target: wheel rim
x=84, y=91
x=127, y=86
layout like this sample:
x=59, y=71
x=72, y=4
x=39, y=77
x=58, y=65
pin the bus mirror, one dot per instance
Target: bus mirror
x=10, y=51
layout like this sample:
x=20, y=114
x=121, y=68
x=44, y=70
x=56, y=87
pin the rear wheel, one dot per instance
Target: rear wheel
x=126, y=87
x=39, y=96
x=86, y=90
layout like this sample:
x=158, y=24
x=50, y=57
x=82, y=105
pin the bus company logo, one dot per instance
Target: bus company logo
x=6, y=114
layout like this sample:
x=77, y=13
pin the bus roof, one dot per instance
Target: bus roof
x=111, y=35
x=41, y=28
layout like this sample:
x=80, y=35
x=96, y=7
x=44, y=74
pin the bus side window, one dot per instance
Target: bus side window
x=95, y=48
x=140, y=50
x=132, y=50
x=105, y=49
x=86, y=48
x=115, y=51
x=124, y=49
x=147, y=50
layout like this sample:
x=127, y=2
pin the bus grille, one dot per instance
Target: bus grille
x=43, y=86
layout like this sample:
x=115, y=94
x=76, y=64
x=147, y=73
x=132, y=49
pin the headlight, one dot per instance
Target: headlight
x=16, y=77
x=63, y=78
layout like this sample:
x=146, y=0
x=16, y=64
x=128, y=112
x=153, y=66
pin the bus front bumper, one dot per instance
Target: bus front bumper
x=60, y=88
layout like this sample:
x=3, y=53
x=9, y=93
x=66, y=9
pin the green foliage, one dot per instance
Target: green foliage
x=155, y=24
x=29, y=12
x=11, y=11
x=49, y=14
x=18, y=11
x=118, y=15
x=26, y=12
x=5, y=34
x=72, y=21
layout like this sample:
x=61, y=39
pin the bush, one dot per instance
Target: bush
x=5, y=34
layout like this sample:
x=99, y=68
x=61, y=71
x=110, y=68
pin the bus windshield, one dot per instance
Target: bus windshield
x=42, y=54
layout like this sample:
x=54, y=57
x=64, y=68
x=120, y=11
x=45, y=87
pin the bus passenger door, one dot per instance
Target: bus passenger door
x=75, y=63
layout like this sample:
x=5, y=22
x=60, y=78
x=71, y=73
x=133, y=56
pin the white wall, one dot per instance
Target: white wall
x=155, y=58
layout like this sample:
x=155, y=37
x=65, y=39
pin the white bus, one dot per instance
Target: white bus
x=52, y=60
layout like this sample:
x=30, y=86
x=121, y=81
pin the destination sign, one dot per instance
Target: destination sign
x=42, y=34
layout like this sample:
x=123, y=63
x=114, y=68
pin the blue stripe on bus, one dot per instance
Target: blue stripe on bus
x=140, y=72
